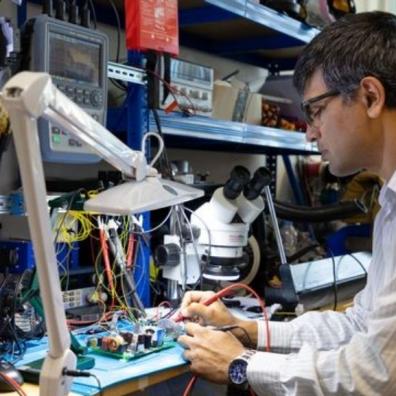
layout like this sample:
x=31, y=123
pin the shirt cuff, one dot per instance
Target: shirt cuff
x=280, y=336
x=263, y=373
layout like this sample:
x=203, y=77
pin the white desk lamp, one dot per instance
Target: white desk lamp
x=28, y=96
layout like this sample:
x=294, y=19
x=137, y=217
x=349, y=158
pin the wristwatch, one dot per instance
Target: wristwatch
x=238, y=368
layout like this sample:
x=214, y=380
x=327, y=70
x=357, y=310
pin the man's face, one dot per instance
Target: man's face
x=340, y=129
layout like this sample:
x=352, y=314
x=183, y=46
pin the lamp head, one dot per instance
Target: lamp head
x=139, y=196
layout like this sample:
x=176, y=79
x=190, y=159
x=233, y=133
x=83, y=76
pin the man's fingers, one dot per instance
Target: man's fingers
x=194, y=309
x=195, y=296
x=185, y=341
x=188, y=355
x=193, y=329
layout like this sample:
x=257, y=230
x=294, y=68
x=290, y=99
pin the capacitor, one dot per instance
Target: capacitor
x=140, y=343
x=92, y=342
x=128, y=337
x=147, y=341
x=159, y=336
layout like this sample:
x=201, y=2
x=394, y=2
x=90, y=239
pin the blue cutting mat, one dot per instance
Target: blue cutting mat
x=109, y=370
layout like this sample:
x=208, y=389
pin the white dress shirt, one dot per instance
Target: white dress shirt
x=333, y=353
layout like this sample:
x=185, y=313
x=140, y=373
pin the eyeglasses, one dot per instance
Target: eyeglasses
x=312, y=116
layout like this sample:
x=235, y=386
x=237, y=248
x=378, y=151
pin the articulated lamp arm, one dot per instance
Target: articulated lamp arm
x=34, y=94
x=28, y=96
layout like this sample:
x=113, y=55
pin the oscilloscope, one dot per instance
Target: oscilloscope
x=76, y=58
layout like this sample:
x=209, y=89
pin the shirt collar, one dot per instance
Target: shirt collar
x=388, y=190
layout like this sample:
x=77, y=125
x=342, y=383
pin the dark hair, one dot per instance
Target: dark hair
x=355, y=46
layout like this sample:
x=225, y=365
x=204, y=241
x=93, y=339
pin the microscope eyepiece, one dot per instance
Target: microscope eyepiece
x=260, y=179
x=239, y=178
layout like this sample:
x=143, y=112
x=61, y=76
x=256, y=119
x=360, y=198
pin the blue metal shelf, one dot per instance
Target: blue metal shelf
x=267, y=17
x=208, y=133
x=210, y=26
x=254, y=138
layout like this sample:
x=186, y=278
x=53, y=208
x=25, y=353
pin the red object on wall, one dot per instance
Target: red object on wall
x=152, y=25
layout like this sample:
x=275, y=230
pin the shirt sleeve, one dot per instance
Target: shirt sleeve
x=324, y=330
x=343, y=360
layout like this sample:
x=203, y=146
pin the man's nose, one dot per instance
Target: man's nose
x=311, y=134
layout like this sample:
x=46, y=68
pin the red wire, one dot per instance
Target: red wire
x=13, y=384
x=222, y=293
x=190, y=385
x=162, y=304
x=130, y=251
x=105, y=252
x=174, y=91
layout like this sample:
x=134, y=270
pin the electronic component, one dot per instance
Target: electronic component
x=78, y=297
x=130, y=345
x=76, y=58
x=192, y=84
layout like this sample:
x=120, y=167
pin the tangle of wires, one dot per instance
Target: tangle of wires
x=18, y=321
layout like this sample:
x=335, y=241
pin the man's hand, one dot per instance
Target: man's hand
x=216, y=314
x=210, y=352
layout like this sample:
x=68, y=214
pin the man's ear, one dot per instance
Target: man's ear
x=373, y=96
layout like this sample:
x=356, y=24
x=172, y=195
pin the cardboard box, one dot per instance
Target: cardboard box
x=232, y=103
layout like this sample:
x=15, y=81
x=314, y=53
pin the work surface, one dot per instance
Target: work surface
x=127, y=376
x=126, y=387
x=119, y=377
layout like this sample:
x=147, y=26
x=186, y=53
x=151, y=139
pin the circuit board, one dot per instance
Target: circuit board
x=132, y=355
x=128, y=345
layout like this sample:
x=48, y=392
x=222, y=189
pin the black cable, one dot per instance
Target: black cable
x=93, y=13
x=100, y=393
x=299, y=213
x=118, y=29
x=86, y=374
x=234, y=327
x=170, y=313
x=165, y=167
x=301, y=252
x=359, y=262
x=116, y=83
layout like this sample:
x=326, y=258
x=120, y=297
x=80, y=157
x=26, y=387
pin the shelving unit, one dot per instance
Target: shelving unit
x=208, y=134
x=237, y=29
x=265, y=37
x=224, y=134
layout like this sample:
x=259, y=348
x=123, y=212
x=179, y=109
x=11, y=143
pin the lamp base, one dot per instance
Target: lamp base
x=52, y=380
x=31, y=371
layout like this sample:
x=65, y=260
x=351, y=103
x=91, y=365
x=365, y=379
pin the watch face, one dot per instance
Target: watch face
x=237, y=371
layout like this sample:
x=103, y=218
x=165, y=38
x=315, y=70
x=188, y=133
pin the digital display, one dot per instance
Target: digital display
x=74, y=59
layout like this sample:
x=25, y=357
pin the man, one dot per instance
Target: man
x=347, y=78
